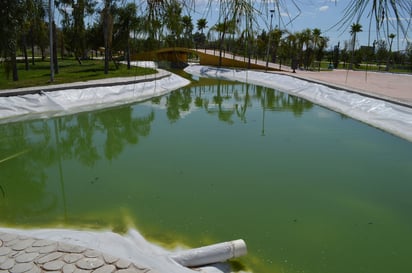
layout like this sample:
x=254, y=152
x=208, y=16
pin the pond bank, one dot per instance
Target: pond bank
x=51, y=101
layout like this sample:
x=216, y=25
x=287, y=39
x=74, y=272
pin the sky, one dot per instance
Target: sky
x=322, y=14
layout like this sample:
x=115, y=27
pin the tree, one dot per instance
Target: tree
x=275, y=38
x=95, y=36
x=319, y=44
x=223, y=28
x=30, y=13
x=354, y=29
x=74, y=13
x=291, y=49
x=12, y=15
x=187, y=30
x=107, y=32
x=408, y=56
x=316, y=37
x=152, y=24
x=125, y=21
x=391, y=37
x=38, y=30
x=303, y=40
x=173, y=21
x=201, y=24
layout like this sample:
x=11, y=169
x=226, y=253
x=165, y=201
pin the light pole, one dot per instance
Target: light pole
x=270, y=30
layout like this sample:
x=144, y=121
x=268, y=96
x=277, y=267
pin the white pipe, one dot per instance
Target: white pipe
x=211, y=254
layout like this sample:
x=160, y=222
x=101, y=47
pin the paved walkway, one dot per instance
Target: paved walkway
x=391, y=87
x=20, y=254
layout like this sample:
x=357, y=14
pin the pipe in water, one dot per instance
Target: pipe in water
x=210, y=254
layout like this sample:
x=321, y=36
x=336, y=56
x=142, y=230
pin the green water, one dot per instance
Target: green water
x=309, y=190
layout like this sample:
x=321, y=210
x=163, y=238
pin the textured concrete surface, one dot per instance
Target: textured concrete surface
x=20, y=254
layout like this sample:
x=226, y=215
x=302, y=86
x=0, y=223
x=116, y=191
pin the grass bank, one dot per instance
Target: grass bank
x=69, y=71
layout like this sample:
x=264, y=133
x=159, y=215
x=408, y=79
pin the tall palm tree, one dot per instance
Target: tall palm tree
x=173, y=19
x=303, y=43
x=291, y=48
x=187, y=29
x=152, y=23
x=125, y=22
x=107, y=32
x=316, y=35
x=201, y=24
x=391, y=37
x=319, y=44
x=275, y=36
x=11, y=18
x=354, y=29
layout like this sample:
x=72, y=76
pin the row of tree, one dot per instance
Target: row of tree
x=120, y=26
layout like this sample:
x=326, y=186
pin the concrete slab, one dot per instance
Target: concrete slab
x=20, y=253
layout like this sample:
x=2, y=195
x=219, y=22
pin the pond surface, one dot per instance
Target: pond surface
x=308, y=189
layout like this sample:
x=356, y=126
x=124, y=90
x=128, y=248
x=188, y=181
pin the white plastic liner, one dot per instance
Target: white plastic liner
x=390, y=117
x=130, y=246
x=69, y=101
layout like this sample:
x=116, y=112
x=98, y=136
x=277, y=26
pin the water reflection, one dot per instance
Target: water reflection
x=226, y=100
x=88, y=138
x=85, y=138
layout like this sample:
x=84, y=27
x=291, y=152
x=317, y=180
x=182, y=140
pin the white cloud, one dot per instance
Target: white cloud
x=323, y=8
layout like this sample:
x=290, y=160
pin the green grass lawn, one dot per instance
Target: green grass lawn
x=69, y=71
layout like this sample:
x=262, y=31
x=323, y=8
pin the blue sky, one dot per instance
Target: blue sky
x=322, y=14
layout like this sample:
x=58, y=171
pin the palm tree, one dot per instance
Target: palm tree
x=125, y=22
x=391, y=37
x=291, y=48
x=319, y=43
x=12, y=16
x=152, y=24
x=275, y=36
x=354, y=29
x=187, y=29
x=316, y=36
x=302, y=42
x=201, y=24
x=173, y=20
x=107, y=32
x=306, y=42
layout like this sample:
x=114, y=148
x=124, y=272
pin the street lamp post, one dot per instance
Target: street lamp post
x=270, y=30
